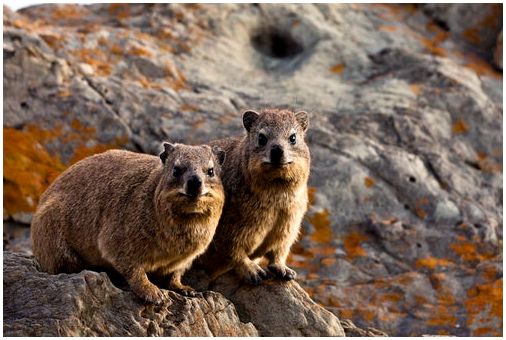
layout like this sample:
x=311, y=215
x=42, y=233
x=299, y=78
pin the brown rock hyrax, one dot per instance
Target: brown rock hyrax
x=265, y=178
x=133, y=214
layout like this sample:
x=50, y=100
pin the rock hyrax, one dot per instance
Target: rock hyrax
x=132, y=213
x=265, y=178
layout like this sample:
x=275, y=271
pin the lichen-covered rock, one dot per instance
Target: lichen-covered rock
x=404, y=231
x=478, y=24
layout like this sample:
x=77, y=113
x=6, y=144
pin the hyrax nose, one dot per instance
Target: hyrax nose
x=276, y=154
x=193, y=186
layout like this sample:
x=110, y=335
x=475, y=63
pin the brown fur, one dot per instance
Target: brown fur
x=264, y=204
x=128, y=212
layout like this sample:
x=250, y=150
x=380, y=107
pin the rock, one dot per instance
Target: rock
x=498, y=52
x=88, y=304
x=405, y=132
x=279, y=308
x=478, y=24
x=353, y=331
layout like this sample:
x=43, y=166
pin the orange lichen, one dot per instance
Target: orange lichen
x=175, y=78
x=117, y=49
x=96, y=58
x=416, y=89
x=433, y=263
x=28, y=170
x=120, y=11
x=387, y=28
x=345, y=313
x=323, y=251
x=53, y=41
x=482, y=67
x=489, y=274
x=328, y=261
x=486, y=298
x=468, y=251
x=420, y=212
x=321, y=222
x=369, y=182
x=443, y=316
x=460, y=127
x=72, y=12
x=188, y=107
x=431, y=46
x=352, y=243
x=28, y=166
x=139, y=51
x=311, y=192
x=338, y=68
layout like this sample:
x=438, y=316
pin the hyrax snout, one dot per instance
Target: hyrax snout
x=265, y=177
x=132, y=213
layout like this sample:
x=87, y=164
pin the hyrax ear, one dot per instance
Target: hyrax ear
x=220, y=154
x=302, y=119
x=248, y=118
x=168, y=148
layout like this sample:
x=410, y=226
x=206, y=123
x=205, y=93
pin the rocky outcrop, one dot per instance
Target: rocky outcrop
x=88, y=304
x=404, y=232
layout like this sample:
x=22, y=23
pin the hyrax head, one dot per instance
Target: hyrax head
x=191, y=173
x=276, y=146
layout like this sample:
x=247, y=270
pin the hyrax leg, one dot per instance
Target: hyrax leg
x=279, y=248
x=175, y=273
x=277, y=264
x=248, y=270
x=176, y=284
x=140, y=284
x=50, y=248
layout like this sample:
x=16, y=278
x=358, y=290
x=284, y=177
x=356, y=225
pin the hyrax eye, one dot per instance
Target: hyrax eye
x=293, y=139
x=210, y=172
x=177, y=171
x=262, y=140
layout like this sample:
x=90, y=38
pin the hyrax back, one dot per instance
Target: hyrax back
x=132, y=213
x=265, y=177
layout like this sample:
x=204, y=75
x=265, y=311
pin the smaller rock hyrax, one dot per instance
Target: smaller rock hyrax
x=132, y=213
x=265, y=178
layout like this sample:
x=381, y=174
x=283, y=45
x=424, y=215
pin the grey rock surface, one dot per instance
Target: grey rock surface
x=88, y=304
x=279, y=308
x=404, y=232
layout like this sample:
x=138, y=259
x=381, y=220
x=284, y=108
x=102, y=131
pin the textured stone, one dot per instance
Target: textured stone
x=405, y=132
x=279, y=308
x=88, y=304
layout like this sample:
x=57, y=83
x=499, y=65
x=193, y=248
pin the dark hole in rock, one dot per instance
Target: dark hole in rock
x=412, y=179
x=406, y=206
x=459, y=222
x=478, y=226
x=276, y=43
x=9, y=54
x=419, y=245
x=24, y=106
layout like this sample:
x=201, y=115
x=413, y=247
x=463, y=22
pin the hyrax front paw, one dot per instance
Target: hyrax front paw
x=282, y=272
x=186, y=291
x=150, y=294
x=253, y=275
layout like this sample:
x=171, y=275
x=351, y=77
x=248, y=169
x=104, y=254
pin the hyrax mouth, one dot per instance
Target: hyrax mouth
x=276, y=165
